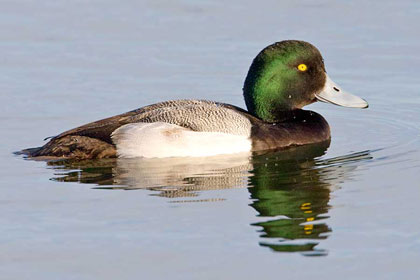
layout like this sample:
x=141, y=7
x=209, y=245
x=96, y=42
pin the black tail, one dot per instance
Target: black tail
x=72, y=146
x=30, y=152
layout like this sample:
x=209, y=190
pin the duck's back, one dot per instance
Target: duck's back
x=202, y=122
x=197, y=115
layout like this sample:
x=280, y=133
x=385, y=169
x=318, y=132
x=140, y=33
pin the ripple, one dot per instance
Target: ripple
x=393, y=136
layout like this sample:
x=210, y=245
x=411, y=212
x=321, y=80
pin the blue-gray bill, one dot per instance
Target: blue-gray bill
x=332, y=93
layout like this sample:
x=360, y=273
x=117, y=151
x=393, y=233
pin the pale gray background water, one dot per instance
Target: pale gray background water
x=65, y=63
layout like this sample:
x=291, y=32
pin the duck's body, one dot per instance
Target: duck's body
x=282, y=79
x=163, y=129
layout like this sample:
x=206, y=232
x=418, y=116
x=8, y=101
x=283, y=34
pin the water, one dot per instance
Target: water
x=344, y=211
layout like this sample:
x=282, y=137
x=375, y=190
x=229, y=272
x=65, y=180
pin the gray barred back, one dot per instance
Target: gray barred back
x=197, y=115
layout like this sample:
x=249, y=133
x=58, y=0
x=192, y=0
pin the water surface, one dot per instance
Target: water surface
x=343, y=210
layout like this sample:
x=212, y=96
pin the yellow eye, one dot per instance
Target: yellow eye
x=302, y=67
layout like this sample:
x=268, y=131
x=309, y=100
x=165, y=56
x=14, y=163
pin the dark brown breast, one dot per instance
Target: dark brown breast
x=299, y=127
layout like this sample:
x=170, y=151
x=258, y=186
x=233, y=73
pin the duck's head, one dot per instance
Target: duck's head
x=288, y=75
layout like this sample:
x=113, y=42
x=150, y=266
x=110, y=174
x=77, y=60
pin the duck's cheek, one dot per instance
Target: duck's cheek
x=303, y=100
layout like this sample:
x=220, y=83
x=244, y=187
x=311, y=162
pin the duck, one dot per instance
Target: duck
x=283, y=78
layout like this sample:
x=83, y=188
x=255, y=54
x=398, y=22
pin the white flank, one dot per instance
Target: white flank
x=159, y=140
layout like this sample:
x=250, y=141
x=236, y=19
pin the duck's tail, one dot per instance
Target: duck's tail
x=30, y=152
x=72, y=146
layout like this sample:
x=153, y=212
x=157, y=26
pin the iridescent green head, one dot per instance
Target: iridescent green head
x=288, y=75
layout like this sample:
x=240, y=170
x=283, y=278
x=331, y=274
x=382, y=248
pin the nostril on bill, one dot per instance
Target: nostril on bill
x=336, y=89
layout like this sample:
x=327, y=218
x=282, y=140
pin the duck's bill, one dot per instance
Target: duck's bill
x=332, y=93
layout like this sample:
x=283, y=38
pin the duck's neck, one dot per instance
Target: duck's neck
x=282, y=116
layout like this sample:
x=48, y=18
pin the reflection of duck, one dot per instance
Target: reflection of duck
x=181, y=177
x=283, y=78
x=295, y=192
x=172, y=177
x=291, y=191
x=289, y=188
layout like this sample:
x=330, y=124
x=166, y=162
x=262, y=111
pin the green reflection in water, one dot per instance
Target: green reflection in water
x=293, y=192
x=289, y=189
